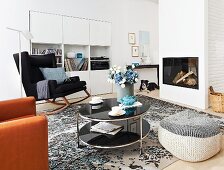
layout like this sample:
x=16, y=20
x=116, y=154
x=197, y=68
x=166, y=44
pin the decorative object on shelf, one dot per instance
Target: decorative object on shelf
x=79, y=55
x=128, y=100
x=144, y=43
x=145, y=60
x=135, y=51
x=135, y=64
x=124, y=79
x=28, y=36
x=71, y=54
x=131, y=38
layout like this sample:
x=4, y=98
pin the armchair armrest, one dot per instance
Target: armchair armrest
x=24, y=144
x=75, y=79
x=15, y=108
x=52, y=84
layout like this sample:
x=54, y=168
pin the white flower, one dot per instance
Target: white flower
x=133, y=66
x=124, y=80
x=118, y=67
x=109, y=80
x=136, y=80
x=118, y=71
x=113, y=72
x=122, y=85
x=125, y=69
x=111, y=69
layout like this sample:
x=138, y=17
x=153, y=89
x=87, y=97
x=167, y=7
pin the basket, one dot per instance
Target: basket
x=216, y=100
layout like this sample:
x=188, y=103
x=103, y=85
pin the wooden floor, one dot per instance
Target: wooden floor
x=214, y=163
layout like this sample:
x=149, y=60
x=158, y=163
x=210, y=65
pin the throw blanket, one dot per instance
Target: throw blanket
x=43, y=90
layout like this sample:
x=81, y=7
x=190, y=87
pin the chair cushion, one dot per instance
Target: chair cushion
x=57, y=74
x=62, y=88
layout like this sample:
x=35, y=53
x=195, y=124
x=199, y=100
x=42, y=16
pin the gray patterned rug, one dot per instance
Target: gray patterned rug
x=64, y=154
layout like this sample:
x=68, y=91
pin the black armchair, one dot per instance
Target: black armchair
x=31, y=74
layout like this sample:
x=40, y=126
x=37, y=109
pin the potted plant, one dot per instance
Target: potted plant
x=124, y=78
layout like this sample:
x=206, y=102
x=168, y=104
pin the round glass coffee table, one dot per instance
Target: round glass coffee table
x=135, y=128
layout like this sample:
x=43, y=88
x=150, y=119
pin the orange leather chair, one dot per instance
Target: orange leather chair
x=23, y=136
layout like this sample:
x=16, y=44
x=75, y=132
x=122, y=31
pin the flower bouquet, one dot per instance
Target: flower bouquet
x=124, y=78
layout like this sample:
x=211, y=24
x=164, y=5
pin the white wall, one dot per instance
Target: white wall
x=183, y=33
x=216, y=44
x=126, y=16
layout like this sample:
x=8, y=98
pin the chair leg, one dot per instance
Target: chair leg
x=88, y=95
x=65, y=104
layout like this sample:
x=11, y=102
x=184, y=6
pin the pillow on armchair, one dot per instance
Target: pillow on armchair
x=57, y=74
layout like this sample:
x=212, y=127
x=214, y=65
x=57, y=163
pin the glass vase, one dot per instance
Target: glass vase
x=128, y=90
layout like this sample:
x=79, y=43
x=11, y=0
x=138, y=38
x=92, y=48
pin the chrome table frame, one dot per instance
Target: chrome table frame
x=114, y=120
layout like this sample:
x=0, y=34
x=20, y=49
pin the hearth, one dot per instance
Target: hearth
x=181, y=71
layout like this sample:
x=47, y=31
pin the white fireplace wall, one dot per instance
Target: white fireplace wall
x=216, y=44
x=183, y=33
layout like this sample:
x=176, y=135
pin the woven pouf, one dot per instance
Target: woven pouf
x=190, y=136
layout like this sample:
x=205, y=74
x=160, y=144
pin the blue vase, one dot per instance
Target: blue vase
x=127, y=91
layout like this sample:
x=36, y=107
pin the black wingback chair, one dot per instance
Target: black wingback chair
x=31, y=74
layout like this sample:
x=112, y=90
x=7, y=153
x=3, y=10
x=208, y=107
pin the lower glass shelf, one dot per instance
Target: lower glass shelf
x=121, y=139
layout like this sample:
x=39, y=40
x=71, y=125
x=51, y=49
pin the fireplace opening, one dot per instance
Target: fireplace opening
x=181, y=71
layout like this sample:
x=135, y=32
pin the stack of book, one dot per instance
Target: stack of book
x=76, y=64
x=106, y=128
x=56, y=51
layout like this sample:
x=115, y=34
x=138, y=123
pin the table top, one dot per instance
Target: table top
x=101, y=114
x=142, y=66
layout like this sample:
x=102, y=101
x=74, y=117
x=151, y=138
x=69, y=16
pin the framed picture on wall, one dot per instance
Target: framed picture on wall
x=135, y=51
x=131, y=38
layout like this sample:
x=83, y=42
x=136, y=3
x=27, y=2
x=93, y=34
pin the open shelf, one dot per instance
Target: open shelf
x=100, y=51
x=76, y=57
x=122, y=138
x=99, y=57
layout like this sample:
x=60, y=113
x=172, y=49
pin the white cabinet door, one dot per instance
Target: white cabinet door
x=106, y=33
x=100, y=33
x=99, y=84
x=75, y=31
x=46, y=28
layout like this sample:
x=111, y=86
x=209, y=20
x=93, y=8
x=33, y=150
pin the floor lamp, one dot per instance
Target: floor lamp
x=28, y=36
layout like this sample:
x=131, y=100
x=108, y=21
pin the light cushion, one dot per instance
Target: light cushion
x=57, y=74
x=190, y=123
x=190, y=136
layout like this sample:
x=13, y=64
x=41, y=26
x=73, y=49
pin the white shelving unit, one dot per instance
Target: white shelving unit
x=90, y=37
